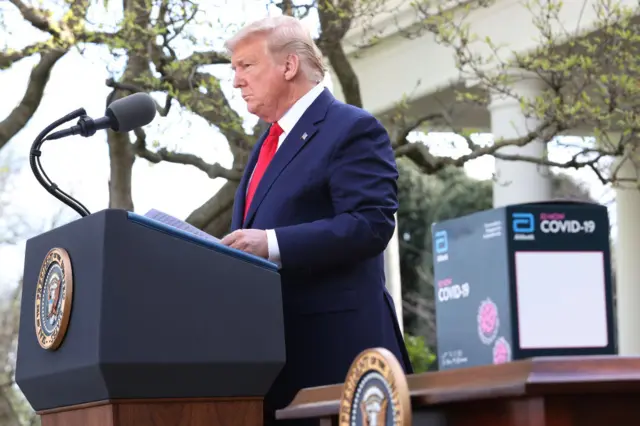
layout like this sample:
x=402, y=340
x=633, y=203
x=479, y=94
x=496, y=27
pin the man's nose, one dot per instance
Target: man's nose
x=238, y=81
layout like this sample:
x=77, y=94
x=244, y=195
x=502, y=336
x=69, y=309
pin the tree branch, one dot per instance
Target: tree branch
x=201, y=92
x=429, y=163
x=69, y=29
x=335, y=20
x=10, y=56
x=299, y=11
x=204, y=58
x=64, y=33
x=97, y=37
x=403, y=125
x=134, y=88
x=212, y=170
x=22, y=113
x=40, y=19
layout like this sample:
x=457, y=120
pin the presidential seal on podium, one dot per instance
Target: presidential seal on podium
x=375, y=392
x=54, y=294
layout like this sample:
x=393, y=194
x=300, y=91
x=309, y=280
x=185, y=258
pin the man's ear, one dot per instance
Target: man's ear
x=291, y=67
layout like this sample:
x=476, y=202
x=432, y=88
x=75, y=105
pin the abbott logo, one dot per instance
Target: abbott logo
x=441, y=246
x=523, y=226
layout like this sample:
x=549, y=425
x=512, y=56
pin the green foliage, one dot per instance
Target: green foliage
x=422, y=358
x=590, y=68
x=425, y=199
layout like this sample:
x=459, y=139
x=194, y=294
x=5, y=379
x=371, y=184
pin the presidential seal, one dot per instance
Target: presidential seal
x=53, y=298
x=375, y=392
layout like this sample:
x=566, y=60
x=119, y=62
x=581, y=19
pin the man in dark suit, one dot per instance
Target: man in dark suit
x=318, y=197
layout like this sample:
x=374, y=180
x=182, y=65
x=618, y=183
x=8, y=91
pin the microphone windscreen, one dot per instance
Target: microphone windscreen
x=131, y=112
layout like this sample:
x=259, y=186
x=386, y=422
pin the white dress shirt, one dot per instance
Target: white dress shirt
x=287, y=122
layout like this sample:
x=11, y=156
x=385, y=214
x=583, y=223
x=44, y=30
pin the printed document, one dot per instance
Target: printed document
x=178, y=224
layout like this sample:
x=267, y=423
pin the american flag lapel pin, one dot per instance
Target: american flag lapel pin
x=304, y=136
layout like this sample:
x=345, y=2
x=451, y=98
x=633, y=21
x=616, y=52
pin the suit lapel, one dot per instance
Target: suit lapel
x=301, y=134
x=240, y=198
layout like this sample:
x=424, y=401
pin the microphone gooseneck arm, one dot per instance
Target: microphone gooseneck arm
x=86, y=127
x=36, y=167
x=123, y=115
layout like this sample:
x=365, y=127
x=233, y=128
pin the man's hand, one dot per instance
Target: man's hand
x=252, y=241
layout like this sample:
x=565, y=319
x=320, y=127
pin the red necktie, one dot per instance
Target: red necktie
x=267, y=151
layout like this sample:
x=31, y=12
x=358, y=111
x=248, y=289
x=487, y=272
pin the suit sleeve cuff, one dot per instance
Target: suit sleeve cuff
x=274, y=250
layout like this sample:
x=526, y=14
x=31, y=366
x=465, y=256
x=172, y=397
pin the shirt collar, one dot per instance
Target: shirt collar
x=291, y=117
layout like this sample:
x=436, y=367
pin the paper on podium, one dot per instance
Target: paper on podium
x=178, y=224
x=164, y=222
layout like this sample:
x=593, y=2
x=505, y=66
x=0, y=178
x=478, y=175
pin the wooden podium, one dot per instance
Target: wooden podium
x=559, y=391
x=128, y=322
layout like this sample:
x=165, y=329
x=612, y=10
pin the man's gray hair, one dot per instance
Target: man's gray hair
x=285, y=34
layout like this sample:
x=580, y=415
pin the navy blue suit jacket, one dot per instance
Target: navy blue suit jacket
x=330, y=196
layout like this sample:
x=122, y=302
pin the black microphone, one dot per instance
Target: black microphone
x=123, y=115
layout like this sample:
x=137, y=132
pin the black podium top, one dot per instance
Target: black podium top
x=156, y=313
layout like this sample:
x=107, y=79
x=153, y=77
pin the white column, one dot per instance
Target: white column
x=627, y=249
x=518, y=181
x=392, y=273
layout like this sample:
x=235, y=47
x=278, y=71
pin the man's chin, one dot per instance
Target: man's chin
x=254, y=109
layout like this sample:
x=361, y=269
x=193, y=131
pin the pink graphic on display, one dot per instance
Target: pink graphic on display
x=501, y=351
x=445, y=283
x=552, y=216
x=488, y=321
